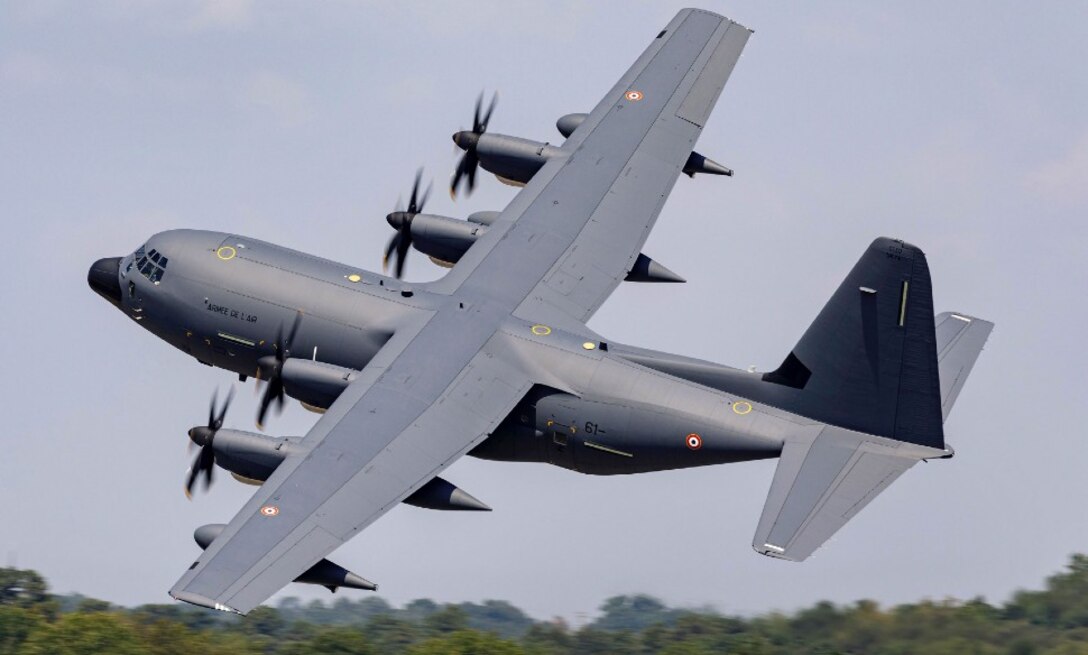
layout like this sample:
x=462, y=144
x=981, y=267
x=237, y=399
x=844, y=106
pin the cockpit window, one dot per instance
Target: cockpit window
x=151, y=265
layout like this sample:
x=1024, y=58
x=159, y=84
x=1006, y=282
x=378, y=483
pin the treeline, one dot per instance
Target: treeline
x=1052, y=621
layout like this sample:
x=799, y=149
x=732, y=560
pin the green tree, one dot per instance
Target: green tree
x=26, y=589
x=85, y=633
x=450, y=618
x=553, y=638
x=16, y=624
x=621, y=613
x=391, y=635
x=497, y=616
x=466, y=642
x=333, y=640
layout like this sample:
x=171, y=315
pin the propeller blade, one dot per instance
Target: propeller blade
x=392, y=246
x=490, y=108
x=190, y=480
x=223, y=412
x=412, y=208
x=274, y=392
x=458, y=172
x=404, y=242
x=291, y=334
x=466, y=168
x=207, y=463
x=211, y=408
x=476, y=124
x=426, y=195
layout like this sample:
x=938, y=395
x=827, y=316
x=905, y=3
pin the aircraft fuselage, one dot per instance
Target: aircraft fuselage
x=224, y=299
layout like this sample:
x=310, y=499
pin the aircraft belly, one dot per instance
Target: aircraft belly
x=608, y=437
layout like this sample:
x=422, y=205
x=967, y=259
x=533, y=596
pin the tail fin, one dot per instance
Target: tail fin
x=869, y=361
x=874, y=362
x=959, y=341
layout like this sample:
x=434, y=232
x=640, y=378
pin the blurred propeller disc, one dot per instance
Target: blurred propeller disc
x=204, y=436
x=467, y=141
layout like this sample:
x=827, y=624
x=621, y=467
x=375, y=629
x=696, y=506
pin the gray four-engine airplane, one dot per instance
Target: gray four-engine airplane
x=495, y=360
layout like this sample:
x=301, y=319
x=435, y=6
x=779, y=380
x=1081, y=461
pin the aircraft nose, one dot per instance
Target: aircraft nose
x=103, y=279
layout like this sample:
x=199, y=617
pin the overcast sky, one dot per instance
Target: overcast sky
x=961, y=127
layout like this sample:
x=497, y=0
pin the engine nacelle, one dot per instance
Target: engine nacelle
x=512, y=159
x=315, y=383
x=250, y=455
x=444, y=238
x=567, y=124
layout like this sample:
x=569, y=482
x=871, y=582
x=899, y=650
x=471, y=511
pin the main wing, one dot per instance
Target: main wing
x=431, y=394
x=436, y=389
x=575, y=231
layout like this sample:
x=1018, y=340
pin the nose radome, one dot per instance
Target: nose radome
x=103, y=278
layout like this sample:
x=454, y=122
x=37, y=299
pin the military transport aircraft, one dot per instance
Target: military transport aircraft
x=495, y=360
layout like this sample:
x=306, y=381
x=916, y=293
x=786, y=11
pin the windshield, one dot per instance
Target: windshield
x=151, y=265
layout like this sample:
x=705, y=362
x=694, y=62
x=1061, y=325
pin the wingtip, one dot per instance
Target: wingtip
x=203, y=601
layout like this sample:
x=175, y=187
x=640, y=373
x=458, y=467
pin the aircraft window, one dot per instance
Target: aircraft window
x=151, y=264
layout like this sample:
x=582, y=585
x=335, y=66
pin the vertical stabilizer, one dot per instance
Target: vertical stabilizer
x=869, y=361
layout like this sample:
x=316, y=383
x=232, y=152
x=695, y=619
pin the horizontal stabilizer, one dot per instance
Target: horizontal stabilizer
x=821, y=484
x=959, y=341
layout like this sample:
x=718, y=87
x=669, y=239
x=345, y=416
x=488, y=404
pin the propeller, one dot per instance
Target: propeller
x=270, y=369
x=465, y=140
x=203, y=436
x=401, y=221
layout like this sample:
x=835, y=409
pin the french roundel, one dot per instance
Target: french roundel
x=694, y=441
x=633, y=96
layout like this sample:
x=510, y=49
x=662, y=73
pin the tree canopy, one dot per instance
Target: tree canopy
x=1049, y=621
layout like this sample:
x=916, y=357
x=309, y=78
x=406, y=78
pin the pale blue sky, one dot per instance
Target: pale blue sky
x=963, y=129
